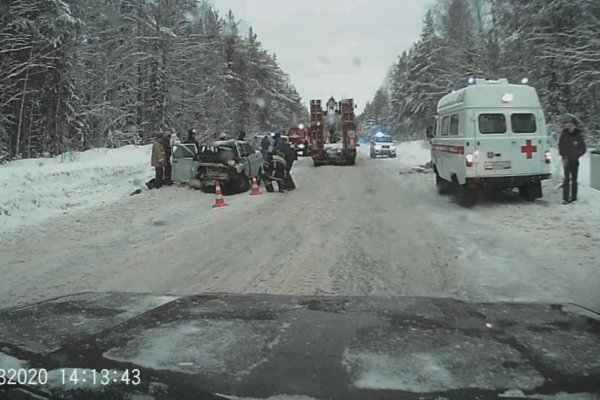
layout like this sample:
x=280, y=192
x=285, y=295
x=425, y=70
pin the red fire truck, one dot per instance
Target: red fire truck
x=333, y=148
x=299, y=139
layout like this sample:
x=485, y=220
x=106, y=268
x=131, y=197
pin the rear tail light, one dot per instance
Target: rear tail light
x=547, y=157
x=471, y=158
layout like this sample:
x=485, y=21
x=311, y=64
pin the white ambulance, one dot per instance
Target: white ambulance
x=490, y=134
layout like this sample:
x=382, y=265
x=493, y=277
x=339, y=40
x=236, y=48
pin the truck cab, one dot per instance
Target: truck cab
x=298, y=138
x=491, y=134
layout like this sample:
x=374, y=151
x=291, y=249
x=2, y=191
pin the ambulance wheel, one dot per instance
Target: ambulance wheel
x=442, y=185
x=464, y=196
x=531, y=192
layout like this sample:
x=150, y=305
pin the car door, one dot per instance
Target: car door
x=254, y=159
x=244, y=159
x=185, y=162
x=493, y=143
x=528, y=140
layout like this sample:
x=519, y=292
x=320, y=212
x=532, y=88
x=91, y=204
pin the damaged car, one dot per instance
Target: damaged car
x=234, y=163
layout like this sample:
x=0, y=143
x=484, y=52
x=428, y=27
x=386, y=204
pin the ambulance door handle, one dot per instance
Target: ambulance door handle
x=514, y=141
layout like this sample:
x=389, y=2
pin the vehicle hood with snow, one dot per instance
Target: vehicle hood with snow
x=217, y=346
x=232, y=162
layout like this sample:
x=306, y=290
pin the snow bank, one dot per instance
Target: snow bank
x=37, y=189
x=415, y=153
x=10, y=362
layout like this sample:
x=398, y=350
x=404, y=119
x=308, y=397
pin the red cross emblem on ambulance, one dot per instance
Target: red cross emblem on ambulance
x=529, y=148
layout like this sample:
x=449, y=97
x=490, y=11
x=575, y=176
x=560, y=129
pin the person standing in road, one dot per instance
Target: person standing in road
x=290, y=156
x=265, y=145
x=277, y=142
x=191, y=139
x=174, y=139
x=168, y=151
x=571, y=147
x=273, y=168
x=158, y=160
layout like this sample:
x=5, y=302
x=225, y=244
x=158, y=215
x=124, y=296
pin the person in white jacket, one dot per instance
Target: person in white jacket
x=174, y=139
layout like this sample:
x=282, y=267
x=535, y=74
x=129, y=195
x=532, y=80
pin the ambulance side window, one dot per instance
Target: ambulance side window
x=454, y=125
x=445, y=126
x=492, y=123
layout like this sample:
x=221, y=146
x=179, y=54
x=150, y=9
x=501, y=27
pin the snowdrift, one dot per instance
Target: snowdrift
x=34, y=190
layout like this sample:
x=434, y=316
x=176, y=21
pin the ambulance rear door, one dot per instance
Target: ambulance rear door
x=528, y=141
x=493, y=143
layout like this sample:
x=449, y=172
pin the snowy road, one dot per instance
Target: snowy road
x=366, y=229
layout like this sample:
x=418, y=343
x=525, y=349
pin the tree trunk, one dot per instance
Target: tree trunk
x=17, y=147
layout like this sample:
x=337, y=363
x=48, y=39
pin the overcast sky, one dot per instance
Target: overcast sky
x=342, y=48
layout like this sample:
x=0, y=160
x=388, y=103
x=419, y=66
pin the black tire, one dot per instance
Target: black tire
x=531, y=192
x=317, y=163
x=524, y=192
x=240, y=184
x=465, y=197
x=393, y=156
x=442, y=185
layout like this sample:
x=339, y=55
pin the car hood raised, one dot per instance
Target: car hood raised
x=304, y=347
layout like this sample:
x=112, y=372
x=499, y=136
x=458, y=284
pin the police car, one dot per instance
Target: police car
x=490, y=134
x=382, y=145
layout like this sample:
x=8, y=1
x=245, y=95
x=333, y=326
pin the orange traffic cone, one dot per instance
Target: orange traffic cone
x=219, y=202
x=255, y=188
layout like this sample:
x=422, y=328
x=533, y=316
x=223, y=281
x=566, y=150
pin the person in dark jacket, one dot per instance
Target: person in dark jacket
x=571, y=146
x=168, y=151
x=290, y=156
x=191, y=139
x=273, y=168
x=265, y=143
x=277, y=142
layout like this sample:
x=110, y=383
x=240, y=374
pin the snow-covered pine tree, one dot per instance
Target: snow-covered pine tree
x=36, y=114
x=554, y=43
